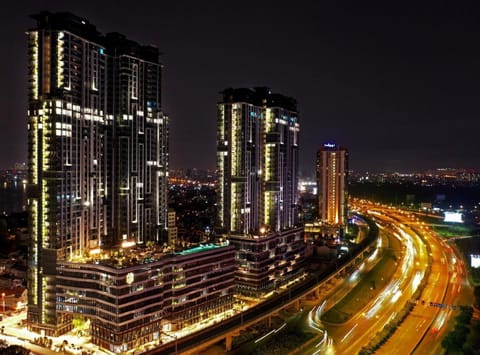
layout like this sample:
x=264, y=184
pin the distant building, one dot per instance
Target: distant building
x=257, y=167
x=13, y=299
x=19, y=271
x=21, y=166
x=98, y=151
x=5, y=281
x=172, y=228
x=332, y=174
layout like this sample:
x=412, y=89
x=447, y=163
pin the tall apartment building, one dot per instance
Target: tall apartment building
x=332, y=173
x=257, y=155
x=98, y=150
x=257, y=166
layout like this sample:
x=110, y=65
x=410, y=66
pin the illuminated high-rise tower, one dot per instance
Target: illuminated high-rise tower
x=332, y=172
x=257, y=155
x=98, y=151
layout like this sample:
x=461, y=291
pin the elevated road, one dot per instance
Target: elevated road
x=230, y=327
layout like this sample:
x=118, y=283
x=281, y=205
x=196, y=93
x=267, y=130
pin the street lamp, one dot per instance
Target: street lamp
x=176, y=340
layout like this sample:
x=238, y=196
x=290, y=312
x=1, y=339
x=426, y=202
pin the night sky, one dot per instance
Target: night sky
x=399, y=86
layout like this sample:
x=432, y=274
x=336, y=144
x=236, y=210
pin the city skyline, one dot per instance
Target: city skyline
x=395, y=85
x=98, y=252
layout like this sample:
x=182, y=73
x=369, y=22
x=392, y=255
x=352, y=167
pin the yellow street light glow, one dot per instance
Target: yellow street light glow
x=127, y=244
x=95, y=251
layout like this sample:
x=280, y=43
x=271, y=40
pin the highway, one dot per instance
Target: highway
x=353, y=335
x=421, y=330
x=457, y=284
x=409, y=334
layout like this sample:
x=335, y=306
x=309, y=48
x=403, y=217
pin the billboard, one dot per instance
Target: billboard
x=475, y=260
x=455, y=217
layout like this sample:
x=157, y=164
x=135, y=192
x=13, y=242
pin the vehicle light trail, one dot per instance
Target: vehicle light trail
x=439, y=322
x=417, y=279
x=271, y=332
x=349, y=332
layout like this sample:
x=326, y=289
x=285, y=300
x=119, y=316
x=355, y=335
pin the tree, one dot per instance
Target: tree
x=448, y=342
x=465, y=315
x=80, y=324
x=151, y=244
x=476, y=292
x=15, y=350
x=460, y=334
x=456, y=338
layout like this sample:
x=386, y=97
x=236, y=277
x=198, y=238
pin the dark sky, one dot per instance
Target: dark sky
x=399, y=86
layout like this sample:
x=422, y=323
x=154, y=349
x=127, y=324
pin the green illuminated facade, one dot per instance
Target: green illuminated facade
x=98, y=151
x=257, y=164
x=257, y=161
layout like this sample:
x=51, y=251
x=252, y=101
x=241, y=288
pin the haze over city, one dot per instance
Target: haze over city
x=396, y=84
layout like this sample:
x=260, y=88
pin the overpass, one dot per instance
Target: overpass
x=227, y=329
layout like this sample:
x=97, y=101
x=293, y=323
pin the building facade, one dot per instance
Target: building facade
x=332, y=174
x=257, y=161
x=133, y=297
x=97, y=150
x=257, y=166
x=13, y=299
x=267, y=262
x=172, y=228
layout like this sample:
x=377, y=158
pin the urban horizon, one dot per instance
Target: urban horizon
x=377, y=86
x=119, y=252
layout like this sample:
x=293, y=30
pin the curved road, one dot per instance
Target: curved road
x=421, y=331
